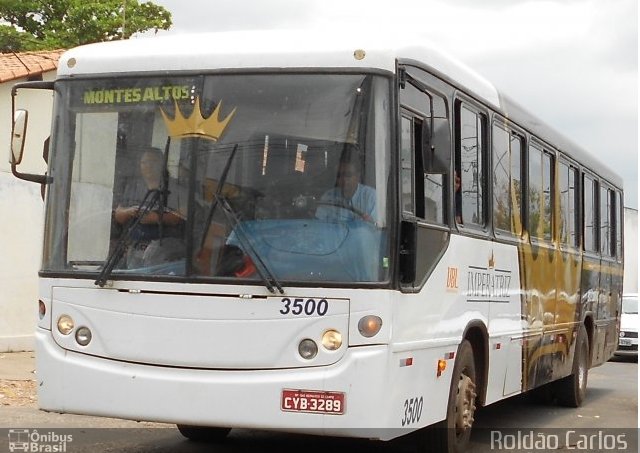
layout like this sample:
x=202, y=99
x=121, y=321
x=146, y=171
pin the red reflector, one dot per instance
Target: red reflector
x=449, y=355
x=406, y=362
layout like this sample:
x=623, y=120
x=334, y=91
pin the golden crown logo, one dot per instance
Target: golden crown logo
x=196, y=125
x=492, y=261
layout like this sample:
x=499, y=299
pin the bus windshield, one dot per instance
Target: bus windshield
x=272, y=177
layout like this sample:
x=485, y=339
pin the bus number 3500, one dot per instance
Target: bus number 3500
x=309, y=307
x=412, y=411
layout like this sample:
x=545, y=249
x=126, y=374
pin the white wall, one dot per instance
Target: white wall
x=630, y=251
x=21, y=224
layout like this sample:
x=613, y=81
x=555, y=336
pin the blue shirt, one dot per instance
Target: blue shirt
x=363, y=203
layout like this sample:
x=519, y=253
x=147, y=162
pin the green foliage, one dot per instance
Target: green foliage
x=55, y=24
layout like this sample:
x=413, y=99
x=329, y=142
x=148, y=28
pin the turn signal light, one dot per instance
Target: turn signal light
x=442, y=365
x=369, y=325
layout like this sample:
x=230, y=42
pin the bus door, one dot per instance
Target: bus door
x=425, y=155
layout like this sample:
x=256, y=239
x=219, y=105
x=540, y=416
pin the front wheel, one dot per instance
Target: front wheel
x=203, y=433
x=452, y=434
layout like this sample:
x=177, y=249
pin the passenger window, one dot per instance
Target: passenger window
x=470, y=165
x=568, y=203
x=606, y=222
x=540, y=193
x=619, y=225
x=590, y=221
x=507, y=178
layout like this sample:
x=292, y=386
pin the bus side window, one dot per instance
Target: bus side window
x=619, y=225
x=607, y=222
x=568, y=191
x=590, y=220
x=507, y=180
x=471, y=164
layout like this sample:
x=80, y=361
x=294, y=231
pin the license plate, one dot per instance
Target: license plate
x=312, y=401
x=625, y=342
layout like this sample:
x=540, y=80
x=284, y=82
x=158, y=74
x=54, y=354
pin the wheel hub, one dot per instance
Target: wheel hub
x=465, y=403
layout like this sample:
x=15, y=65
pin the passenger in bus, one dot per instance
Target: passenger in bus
x=349, y=200
x=144, y=251
x=458, y=197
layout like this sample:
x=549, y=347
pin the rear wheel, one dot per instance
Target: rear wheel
x=452, y=434
x=571, y=390
x=203, y=433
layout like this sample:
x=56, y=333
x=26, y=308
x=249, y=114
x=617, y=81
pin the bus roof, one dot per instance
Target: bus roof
x=254, y=50
x=264, y=50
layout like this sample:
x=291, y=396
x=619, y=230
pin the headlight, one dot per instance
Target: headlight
x=621, y=334
x=308, y=349
x=332, y=340
x=83, y=336
x=65, y=324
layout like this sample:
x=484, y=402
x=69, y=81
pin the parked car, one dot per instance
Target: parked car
x=628, y=340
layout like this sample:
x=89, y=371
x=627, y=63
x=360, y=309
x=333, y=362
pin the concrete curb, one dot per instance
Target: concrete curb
x=18, y=366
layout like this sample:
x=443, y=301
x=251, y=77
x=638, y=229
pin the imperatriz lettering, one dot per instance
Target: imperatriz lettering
x=488, y=285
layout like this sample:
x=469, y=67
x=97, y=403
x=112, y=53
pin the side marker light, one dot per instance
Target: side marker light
x=442, y=365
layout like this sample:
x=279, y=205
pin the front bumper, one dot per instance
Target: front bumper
x=630, y=348
x=71, y=382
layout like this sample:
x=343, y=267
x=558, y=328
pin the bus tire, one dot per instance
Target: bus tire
x=452, y=434
x=571, y=390
x=203, y=433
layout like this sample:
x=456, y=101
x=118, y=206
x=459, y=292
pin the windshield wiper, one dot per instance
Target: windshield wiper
x=216, y=195
x=148, y=202
x=265, y=273
x=219, y=199
x=151, y=198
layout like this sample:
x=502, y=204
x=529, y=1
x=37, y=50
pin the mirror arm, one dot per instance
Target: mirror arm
x=39, y=85
x=41, y=179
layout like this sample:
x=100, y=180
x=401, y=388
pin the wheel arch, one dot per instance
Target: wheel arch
x=588, y=324
x=477, y=335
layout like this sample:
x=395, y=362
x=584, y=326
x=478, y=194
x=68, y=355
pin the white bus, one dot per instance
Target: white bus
x=267, y=230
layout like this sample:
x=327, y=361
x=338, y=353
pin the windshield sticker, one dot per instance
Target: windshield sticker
x=301, y=152
x=196, y=125
x=135, y=95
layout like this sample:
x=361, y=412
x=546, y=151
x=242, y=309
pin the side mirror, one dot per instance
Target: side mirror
x=18, y=135
x=436, y=147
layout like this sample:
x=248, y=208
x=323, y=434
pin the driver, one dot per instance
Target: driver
x=349, y=200
x=146, y=249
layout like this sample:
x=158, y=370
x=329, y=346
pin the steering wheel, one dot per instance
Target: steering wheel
x=339, y=204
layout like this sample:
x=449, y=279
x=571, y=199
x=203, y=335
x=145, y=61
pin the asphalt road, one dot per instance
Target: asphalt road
x=607, y=421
